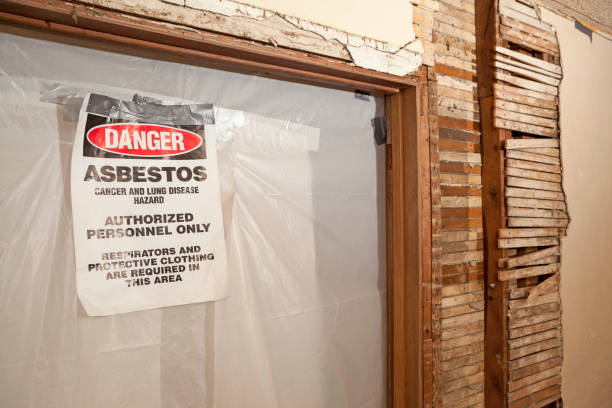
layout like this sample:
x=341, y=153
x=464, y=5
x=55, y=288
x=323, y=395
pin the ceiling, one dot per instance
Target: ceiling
x=595, y=14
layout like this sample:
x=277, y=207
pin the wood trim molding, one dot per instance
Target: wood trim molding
x=433, y=374
x=409, y=249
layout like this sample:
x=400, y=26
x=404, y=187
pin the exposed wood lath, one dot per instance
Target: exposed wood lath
x=526, y=211
x=458, y=301
x=423, y=12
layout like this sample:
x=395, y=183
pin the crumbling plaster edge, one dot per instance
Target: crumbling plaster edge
x=257, y=24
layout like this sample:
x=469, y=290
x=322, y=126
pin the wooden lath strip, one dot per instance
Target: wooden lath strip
x=532, y=157
x=530, y=143
x=463, y=309
x=507, y=95
x=534, y=348
x=519, y=8
x=535, y=203
x=538, y=399
x=534, y=358
x=535, y=213
x=537, y=222
x=534, y=388
x=461, y=341
x=513, y=22
x=470, y=378
x=533, y=338
x=522, y=127
x=523, y=372
x=527, y=40
x=461, y=351
x=545, y=261
x=506, y=275
x=546, y=100
x=470, y=328
x=462, y=299
x=522, y=66
x=531, y=21
x=469, y=106
x=528, y=312
x=532, y=193
x=513, y=181
x=529, y=165
x=527, y=258
x=520, y=293
x=455, y=290
x=538, y=300
x=543, y=287
x=534, y=328
x=459, y=362
x=546, y=151
x=532, y=174
x=529, y=232
x=532, y=61
x=527, y=83
x=518, y=68
x=532, y=379
x=535, y=319
x=527, y=242
x=526, y=109
x=522, y=118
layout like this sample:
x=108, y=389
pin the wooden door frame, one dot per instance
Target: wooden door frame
x=409, y=256
x=408, y=193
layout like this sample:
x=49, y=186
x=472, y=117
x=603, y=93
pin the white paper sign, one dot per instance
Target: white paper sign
x=148, y=227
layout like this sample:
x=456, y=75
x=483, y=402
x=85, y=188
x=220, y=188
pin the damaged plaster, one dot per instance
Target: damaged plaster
x=253, y=23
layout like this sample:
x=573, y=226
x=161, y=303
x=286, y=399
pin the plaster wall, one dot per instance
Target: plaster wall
x=363, y=33
x=586, y=281
x=388, y=21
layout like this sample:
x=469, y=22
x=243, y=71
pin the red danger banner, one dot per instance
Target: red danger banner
x=143, y=140
x=146, y=202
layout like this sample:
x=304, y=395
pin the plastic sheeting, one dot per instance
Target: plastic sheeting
x=303, y=208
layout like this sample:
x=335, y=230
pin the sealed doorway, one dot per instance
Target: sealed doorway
x=302, y=183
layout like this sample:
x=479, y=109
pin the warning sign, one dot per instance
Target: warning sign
x=148, y=227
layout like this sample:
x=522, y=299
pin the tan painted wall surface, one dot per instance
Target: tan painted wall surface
x=389, y=21
x=586, y=142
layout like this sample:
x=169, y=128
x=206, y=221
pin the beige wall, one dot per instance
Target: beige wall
x=586, y=142
x=366, y=18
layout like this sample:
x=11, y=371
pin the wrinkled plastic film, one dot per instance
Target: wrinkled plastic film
x=141, y=109
x=303, y=210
